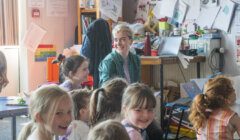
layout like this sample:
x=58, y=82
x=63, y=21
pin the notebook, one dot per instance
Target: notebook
x=170, y=46
x=192, y=89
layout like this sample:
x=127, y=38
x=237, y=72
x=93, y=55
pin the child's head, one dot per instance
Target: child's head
x=108, y=130
x=81, y=98
x=122, y=35
x=218, y=93
x=3, y=71
x=51, y=109
x=105, y=102
x=138, y=103
x=75, y=68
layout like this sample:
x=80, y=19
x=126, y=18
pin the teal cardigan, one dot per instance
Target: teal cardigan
x=112, y=66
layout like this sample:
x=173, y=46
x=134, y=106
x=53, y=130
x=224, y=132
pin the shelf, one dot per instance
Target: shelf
x=88, y=10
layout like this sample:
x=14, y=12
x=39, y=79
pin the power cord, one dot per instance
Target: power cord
x=216, y=60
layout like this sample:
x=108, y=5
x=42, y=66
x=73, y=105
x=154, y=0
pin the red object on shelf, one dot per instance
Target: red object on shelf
x=147, y=45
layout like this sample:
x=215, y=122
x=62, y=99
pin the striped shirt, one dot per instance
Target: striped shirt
x=217, y=126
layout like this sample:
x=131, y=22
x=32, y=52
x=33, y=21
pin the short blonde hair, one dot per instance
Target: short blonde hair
x=122, y=28
x=108, y=130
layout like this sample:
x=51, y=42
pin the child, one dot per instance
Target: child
x=108, y=130
x=75, y=69
x=210, y=113
x=3, y=71
x=105, y=102
x=51, y=112
x=138, y=103
x=79, y=128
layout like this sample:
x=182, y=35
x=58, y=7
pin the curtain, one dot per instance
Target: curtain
x=8, y=22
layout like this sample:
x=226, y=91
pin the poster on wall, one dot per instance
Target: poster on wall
x=33, y=36
x=111, y=9
x=36, y=3
x=57, y=8
x=44, y=51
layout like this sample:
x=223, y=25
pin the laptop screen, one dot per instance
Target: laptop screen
x=170, y=46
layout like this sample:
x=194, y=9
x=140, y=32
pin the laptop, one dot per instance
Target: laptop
x=170, y=46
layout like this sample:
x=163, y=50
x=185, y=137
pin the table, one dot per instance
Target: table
x=11, y=111
x=161, y=61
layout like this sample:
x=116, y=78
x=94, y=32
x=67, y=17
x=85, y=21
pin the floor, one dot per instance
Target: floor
x=5, y=127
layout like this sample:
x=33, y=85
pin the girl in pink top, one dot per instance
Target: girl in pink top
x=138, y=103
x=210, y=113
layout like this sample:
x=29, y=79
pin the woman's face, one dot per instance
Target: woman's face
x=122, y=43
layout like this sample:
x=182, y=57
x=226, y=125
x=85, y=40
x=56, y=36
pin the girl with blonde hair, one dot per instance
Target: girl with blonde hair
x=3, y=71
x=210, y=112
x=50, y=108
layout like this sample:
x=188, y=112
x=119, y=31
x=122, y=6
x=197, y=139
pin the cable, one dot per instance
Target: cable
x=215, y=61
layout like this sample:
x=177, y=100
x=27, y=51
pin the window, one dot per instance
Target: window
x=8, y=22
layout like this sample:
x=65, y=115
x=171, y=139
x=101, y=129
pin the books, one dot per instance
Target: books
x=192, y=89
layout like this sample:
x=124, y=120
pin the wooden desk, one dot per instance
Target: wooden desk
x=156, y=60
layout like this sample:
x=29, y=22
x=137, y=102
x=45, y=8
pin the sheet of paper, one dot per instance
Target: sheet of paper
x=156, y=11
x=142, y=10
x=207, y=13
x=224, y=16
x=168, y=7
x=193, y=10
x=33, y=36
x=36, y=3
x=57, y=8
x=111, y=8
x=180, y=12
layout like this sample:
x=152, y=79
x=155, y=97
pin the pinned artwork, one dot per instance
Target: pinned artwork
x=44, y=51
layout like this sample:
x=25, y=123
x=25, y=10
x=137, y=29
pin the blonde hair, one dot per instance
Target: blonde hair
x=122, y=28
x=3, y=71
x=216, y=92
x=138, y=95
x=44, y=101
x=108, y=130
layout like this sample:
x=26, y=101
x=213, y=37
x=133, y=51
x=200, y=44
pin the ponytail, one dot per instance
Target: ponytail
x=199, y=111
x=26, y=131
x=96, y=105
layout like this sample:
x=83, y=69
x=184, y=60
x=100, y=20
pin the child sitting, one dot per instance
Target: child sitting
x=51, y=112
x=75, y=69
x=105, y=102
x=210, y=113
x=108, y=130
x=79, y=127
x=138, y=103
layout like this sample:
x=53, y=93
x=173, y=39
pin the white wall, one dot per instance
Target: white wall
x=60, y=32
x=12, y=55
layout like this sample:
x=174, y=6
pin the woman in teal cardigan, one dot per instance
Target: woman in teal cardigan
x=121, y=62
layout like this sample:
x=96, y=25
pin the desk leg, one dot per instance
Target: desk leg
x=14, y=127
x=198, y=70
x=161, y=99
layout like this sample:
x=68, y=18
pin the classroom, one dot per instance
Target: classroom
x=184, y=53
